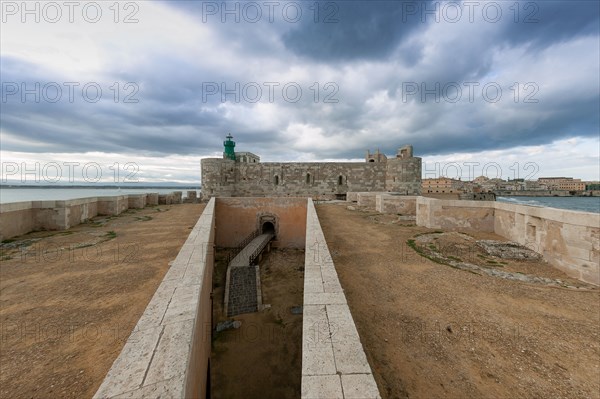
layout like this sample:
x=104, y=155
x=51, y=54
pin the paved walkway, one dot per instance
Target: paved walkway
x=243, y=258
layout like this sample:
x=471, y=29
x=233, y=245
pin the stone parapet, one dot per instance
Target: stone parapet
x=396, y=203
x=334, y=364
x=18, y=218
x=568, y=240
x=168, y=352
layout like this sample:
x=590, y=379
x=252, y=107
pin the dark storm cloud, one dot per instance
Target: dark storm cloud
x=167, y=118
x=373, y=49
x=543, y=23
x=353, y=30
x=371, y=30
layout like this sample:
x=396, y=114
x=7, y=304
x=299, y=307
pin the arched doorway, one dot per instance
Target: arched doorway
x=268, y=228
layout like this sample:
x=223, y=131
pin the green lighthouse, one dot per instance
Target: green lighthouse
x=229, y=144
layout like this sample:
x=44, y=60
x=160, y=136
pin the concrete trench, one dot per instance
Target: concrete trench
x=168, y=353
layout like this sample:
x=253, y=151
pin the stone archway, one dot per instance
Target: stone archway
x=268, y=227
x=267, y=222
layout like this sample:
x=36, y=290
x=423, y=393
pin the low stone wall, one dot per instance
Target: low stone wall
x=385, y=202
x=76, y=211
x=152, y=199
x=334, y=364
x=455, y=214
x=165, y=199
x=191, y=197
x=167, y=354
x=366, y=199
x=352, y=196
x=396, y=203
x=18, y=218
x=113, y=205
x=137, y=201
x=568, y=240
x=177, y=196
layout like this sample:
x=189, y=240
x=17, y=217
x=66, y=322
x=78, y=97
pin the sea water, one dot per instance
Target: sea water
x=19, y=194
x=585, y=204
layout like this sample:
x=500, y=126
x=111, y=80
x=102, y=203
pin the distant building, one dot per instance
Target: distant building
x=562, y=183
x=480, y=180
x=441, y=185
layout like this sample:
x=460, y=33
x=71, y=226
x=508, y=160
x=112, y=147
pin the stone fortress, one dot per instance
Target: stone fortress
x=241, y=174
x=168, y=353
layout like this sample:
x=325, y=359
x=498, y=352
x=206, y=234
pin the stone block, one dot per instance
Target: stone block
x=322, y=387
x=128, y=371
x=360, y=386
x=171, y=388
x=171, y=354
x=325, y=298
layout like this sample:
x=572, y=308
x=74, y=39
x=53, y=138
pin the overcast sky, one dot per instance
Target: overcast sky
x=152, y=87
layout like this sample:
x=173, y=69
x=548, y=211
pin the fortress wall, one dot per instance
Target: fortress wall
x=398, y=204
x=61, y=215
x=78, y=210
x=136, y=201
x=177, y=197
x=366, y=199
x=334, y=364
x=455, y=214
x=20, y=218
x=568, y=240
x=166, y=199
x=403, y=176
x=114, y=205
x=152, y=199
x=236, y=218
x=319, y=180
x=352, y=196
x=49, y=215
x=167, y=354
x=16, y=218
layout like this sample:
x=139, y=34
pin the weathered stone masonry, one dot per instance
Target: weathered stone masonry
x=320, y=180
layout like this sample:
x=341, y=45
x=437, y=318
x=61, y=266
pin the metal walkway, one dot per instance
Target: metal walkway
x=251, y=251
x=242, y=290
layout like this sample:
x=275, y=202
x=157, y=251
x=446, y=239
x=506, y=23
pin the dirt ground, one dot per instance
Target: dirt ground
x=433, y=331
x=263, y=358
x=69, y=300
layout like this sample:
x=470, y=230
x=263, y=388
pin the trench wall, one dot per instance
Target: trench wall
x=237, y=217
